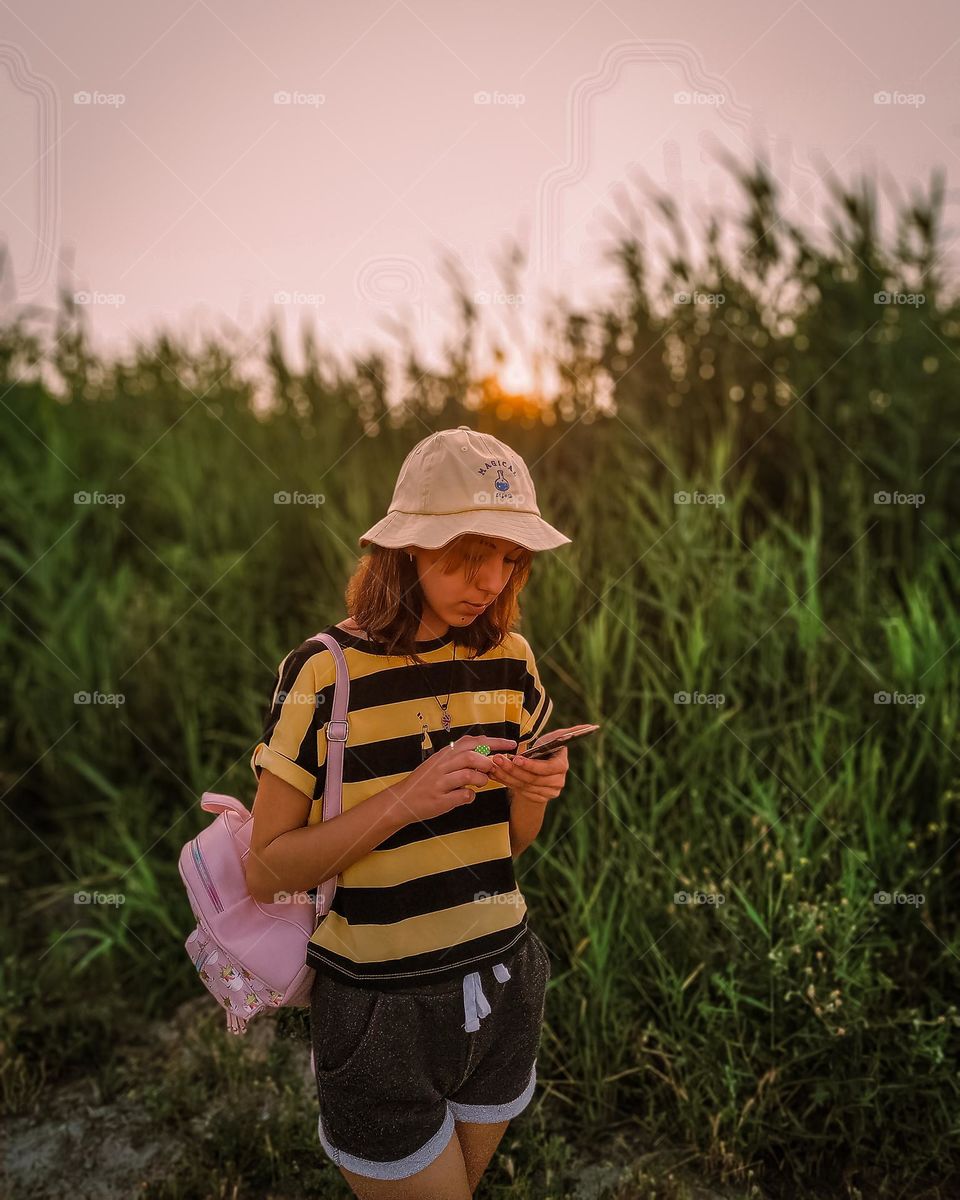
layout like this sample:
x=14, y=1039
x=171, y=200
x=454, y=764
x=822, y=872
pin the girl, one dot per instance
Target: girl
x=429, y=992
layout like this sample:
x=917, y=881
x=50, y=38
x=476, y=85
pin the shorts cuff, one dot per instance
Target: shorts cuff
x=401, y=1167
x=487, y=1114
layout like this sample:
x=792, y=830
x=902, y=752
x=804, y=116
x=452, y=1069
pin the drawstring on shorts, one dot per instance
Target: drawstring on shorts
x=475, y=1004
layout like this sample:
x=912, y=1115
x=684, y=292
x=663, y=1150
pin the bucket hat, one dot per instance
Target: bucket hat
x=460, y=481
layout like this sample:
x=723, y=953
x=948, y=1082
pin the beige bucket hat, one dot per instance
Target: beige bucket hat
x=461, y=481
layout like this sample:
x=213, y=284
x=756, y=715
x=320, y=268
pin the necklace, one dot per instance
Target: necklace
x=446, y=721
x=426, y=745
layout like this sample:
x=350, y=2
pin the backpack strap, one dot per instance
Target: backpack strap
x=337, y=729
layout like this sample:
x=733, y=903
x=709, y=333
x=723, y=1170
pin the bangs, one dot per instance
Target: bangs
x=469, y=550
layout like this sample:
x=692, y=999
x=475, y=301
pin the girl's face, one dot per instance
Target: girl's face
x=456, y=593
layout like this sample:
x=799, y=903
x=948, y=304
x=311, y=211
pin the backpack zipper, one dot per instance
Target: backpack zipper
x=201, y=959
x=204, y=876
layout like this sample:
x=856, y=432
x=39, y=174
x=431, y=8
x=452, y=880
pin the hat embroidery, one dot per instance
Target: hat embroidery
x=501, y=484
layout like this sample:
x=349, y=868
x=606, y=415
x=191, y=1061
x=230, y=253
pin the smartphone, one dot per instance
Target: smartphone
x=550, y=743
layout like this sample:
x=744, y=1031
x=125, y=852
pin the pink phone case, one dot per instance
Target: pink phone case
x=553, y=746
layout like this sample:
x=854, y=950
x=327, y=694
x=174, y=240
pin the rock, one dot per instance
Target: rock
x=100, y=1153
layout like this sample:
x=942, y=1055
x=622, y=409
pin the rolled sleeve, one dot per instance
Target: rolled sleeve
x=293, y=743
x=537, y=704
x=286, y=768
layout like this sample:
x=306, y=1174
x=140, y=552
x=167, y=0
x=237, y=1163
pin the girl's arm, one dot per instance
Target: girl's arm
x=532, y=783
x=287, y=855
x=526, y=820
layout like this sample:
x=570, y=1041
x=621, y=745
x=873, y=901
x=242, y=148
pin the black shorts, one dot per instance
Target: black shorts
x=396, y=1068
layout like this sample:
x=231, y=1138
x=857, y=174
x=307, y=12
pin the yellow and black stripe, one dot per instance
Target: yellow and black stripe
x=437, y=897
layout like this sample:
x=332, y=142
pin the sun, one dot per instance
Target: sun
x=511, y=392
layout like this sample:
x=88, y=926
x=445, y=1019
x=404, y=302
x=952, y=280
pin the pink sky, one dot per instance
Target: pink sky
x=185, y=194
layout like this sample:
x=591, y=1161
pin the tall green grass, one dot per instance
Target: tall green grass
x=797, y=1028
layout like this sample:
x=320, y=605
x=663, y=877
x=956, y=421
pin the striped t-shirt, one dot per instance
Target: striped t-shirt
x=437, y=897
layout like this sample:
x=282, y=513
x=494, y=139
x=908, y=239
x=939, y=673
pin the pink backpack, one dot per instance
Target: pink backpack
x=251, y=956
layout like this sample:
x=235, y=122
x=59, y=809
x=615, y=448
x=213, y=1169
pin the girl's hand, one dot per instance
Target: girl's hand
x=539, y=780
x=451, y=776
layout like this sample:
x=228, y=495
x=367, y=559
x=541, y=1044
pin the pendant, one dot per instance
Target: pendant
x=426, y=746
x=446, y=721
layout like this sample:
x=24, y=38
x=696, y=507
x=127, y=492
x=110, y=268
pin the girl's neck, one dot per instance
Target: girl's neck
x=430, y=628
x=348, y=626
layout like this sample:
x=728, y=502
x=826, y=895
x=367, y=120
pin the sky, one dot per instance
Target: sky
x=202, y=166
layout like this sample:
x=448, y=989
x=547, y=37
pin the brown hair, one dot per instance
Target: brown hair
x=385, y=599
